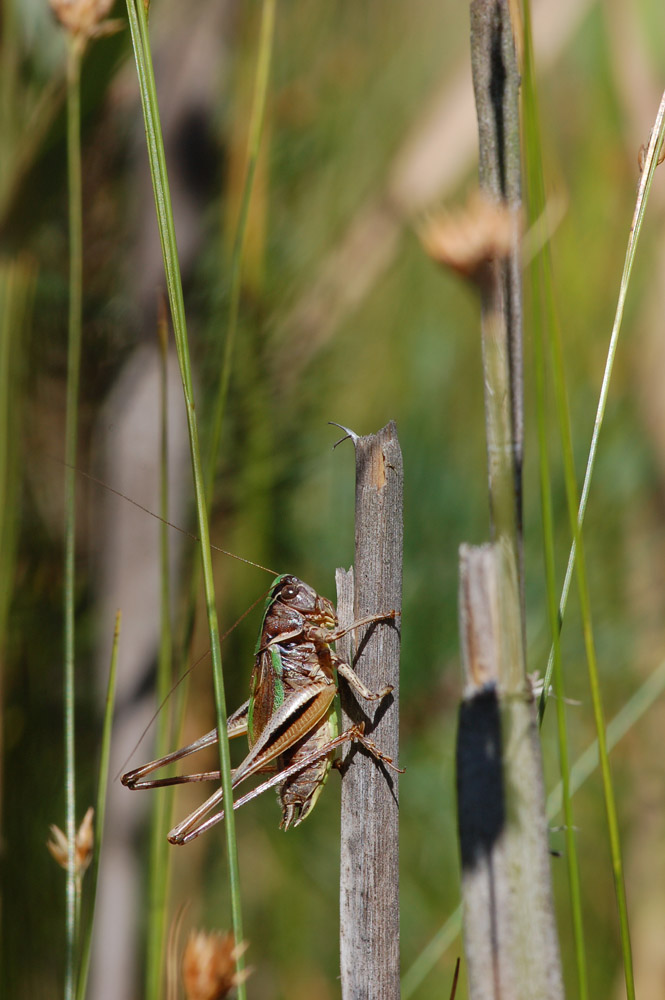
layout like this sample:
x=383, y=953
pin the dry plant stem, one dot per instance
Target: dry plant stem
x=496, y=87
x=510, y=936
x=369, y=876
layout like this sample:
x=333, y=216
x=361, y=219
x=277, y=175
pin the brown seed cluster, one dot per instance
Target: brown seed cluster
x=468, y=239
x=85, y=839
x=209, y=966
x=84, y=18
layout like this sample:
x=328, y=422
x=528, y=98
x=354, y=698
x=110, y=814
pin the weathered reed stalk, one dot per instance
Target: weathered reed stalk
x=510, y=933
x=369, y=876
x=496, y=87
x=510, y=937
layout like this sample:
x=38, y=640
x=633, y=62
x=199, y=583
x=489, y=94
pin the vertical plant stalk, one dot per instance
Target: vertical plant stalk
x=369, y=875
x=158, y=882
x=510, y=936
x=141, y=44
x=542, y=301
x=100, y=812
x=496, y=86
x=71, y=429
x=511, y=943
x=576, y=512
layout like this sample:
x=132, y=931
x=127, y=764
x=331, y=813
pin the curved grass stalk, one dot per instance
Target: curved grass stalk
x=646, y=180
x=141, y=44
x=577, y=512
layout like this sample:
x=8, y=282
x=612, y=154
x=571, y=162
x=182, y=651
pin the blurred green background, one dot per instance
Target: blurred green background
x=369, y=125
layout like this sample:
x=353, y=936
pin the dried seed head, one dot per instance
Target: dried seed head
x=85, y=839
x=468, y=239
x=209, y=966
x=83, y=17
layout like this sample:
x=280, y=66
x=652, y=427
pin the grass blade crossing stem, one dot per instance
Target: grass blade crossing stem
x=140, y=41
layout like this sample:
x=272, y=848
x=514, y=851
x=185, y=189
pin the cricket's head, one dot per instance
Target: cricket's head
x=300, y=598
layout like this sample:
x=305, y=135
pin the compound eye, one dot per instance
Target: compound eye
x=289, y=593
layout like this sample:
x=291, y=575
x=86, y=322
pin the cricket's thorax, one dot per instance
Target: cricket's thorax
x=292, y=651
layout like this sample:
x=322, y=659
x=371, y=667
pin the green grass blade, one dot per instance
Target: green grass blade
x=646, y=180
x=543, y=325
x=100, y=812
x=71, y=430
x=140, y=42
x=577, y=513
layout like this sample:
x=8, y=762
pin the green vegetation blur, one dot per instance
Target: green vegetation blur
x=343, y=318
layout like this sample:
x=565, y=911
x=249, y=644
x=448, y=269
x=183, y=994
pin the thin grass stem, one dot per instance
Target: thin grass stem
x=646, y=180
x=140, y=41
x=576, y=515
x=100, y=813
x=540, y=262
x=71, y=429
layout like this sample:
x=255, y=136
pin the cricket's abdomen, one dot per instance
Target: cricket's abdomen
x=298, y=795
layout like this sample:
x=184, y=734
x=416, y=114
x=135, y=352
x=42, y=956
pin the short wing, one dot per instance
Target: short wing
x=267, y=691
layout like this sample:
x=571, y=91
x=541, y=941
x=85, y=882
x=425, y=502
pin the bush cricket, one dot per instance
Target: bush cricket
x=291, y=716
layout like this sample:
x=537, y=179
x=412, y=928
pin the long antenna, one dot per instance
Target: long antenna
x=170, y=524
